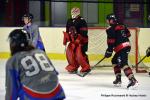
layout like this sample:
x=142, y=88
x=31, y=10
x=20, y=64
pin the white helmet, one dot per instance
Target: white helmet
x=75, y=12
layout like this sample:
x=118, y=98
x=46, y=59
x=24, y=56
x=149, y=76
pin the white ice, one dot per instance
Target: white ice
x=96, y=86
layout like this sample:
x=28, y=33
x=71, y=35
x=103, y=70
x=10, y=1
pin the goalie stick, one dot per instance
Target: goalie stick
x=84, y=74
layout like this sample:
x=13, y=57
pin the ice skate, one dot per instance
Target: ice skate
x=118, y=81
x=133, y=83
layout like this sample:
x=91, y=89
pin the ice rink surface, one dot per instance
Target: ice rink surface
x=96, y=86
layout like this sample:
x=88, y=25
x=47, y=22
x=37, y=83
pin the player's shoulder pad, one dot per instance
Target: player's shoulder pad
x=13, y=59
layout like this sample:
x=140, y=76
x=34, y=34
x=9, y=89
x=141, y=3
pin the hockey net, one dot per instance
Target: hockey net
x=98, y=45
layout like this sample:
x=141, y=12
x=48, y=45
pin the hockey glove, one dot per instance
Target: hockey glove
x=108, y=54
x=148, y=52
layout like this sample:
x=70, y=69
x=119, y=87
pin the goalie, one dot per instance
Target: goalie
x=76, y=35
x=117, y=40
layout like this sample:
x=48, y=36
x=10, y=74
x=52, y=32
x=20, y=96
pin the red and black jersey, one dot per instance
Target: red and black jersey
x=77, y=26
x=117, y=37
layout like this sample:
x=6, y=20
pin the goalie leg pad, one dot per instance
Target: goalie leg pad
x=82, y=59
x=70, y=54
x=71, y=69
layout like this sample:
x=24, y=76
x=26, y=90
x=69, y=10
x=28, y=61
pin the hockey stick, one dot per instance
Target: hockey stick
x=140, y=71
x=84, y=74
x=99, y=62
x=141, y=60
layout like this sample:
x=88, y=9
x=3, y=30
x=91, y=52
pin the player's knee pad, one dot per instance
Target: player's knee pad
x=82, y=58
x=70, y=54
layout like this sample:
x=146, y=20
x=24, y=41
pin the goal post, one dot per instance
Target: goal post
x=98, y=44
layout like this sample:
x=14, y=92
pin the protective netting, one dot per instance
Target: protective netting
x=98, y=45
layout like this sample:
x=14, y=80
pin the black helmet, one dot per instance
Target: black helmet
x=18, y=40
x=29, y=15
x=111, y=16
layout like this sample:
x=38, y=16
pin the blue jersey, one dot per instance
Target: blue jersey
x=30, y=75
x=35, y=36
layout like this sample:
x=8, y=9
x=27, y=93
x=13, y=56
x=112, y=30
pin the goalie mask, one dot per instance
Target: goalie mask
x=18, y=39
x=75, y=12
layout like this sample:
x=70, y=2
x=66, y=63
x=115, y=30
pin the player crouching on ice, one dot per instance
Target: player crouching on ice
x=30, y=75
x=118, y=41
x=76, y=35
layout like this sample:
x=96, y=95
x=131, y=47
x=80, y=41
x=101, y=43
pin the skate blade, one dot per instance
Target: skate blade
x=117, y=85
x=82, y=74
x=134, y=87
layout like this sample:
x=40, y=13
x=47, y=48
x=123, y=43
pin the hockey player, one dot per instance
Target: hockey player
x=118, y=41
x=30, y=75
x=33, y=30
x=77, y=36
x=148, y=54
x=148, y=49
